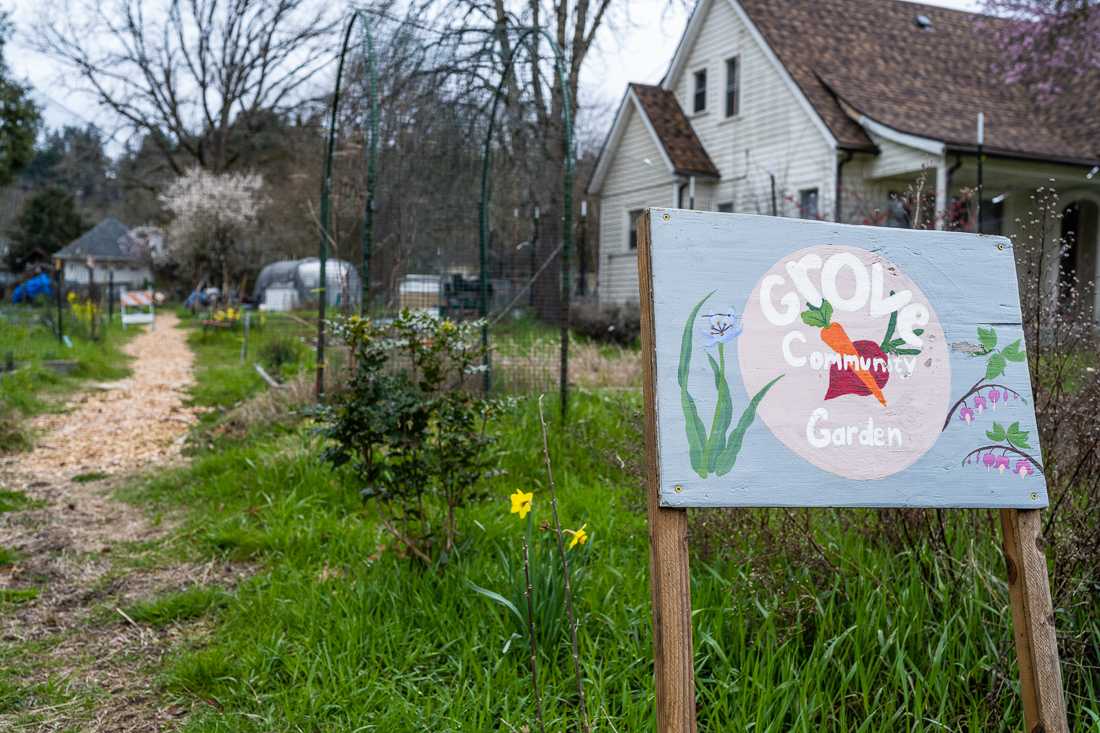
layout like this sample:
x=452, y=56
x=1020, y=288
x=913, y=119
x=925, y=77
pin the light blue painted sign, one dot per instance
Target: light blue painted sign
x=805, y=363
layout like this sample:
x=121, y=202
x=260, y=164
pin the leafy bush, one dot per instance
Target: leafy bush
x=614, y=324
x=409, y=424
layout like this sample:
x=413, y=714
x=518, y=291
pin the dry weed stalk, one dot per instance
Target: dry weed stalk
x=565, y=572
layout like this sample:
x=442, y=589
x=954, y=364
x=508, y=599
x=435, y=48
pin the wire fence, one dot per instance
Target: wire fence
x=465, y=222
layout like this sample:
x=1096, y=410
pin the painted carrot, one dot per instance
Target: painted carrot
x=836, y=338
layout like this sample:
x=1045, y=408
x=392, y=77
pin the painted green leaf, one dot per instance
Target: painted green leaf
x=813, y=318
x=723, y=412
x=907, y=352
x=1017, y=437
x=988, y=338
x=693, y=425
x=997, y=433
x=995, y=367
x=728, y=457
x=1012, y=352
x=827, y=311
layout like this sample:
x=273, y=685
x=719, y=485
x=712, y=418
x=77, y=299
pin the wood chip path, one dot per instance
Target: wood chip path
x=75, y=545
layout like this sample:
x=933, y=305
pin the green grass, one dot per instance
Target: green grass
x=87, y=478
x=183, y=605
x=34, y=387
x=15, y=596
x=223, y=379
x=338, y=631
x=11, y=501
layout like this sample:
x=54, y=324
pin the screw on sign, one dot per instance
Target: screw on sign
x=802, y=363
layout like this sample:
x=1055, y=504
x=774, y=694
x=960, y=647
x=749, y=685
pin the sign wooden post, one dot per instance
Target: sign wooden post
x=802, y=363
x=1033, y=622
x=670, y=579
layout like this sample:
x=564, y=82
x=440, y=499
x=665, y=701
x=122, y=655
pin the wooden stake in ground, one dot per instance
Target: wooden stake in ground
x=670, y=579
x=1033, y=622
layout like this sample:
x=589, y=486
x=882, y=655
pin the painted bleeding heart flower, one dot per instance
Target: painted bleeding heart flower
x=979, y=403
x=1024, y=468
x=994, y=396
x=1001, y=463
x=723, y=328
x=988, y=460
x=966, y=415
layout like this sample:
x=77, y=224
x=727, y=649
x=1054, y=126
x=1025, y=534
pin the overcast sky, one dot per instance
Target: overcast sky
x=639, y=49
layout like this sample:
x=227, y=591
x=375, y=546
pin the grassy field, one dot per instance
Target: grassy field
x=338, y=631
x=33, y=387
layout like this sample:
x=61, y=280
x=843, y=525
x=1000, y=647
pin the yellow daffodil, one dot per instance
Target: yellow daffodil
x=579, y=536
x=521, y=503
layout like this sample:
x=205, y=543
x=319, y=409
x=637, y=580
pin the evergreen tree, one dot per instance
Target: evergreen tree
x=19, y=117
x=48, y=221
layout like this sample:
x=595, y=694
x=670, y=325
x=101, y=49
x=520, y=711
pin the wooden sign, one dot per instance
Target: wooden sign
x=804, y=363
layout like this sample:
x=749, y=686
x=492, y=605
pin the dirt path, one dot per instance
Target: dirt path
x=79, y=661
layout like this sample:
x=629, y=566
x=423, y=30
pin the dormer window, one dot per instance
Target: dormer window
x=700, y=94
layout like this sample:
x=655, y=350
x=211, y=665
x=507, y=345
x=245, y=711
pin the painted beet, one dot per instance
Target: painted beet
x=844, y=381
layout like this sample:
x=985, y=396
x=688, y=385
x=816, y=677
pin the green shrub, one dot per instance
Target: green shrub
x=409, y=425
x=610, y=324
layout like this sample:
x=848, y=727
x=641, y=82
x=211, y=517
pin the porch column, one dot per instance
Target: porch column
x=941, y=192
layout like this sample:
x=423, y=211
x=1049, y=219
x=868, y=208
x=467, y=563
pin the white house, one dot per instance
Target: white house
x=825, y=109
x=114, y=256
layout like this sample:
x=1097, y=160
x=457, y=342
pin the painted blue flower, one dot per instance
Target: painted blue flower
x=722, y=327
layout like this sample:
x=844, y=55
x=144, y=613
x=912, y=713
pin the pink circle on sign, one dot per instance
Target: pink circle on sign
x=840, y=356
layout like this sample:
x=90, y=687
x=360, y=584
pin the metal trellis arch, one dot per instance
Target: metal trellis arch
x=326, y=185
x=527, y=32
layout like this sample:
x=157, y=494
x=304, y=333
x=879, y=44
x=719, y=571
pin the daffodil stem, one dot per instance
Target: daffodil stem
x=531, y=636
x=565, y=572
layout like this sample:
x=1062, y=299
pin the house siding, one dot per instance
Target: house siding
x=896, y=159
x=773, y=134
x=779, y=134
x=76, y=274
x=631, y=183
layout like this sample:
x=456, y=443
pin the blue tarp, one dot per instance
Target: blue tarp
x=31, y=289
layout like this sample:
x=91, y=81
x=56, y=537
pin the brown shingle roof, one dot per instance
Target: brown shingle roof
x=929, y=82
x=674, y=130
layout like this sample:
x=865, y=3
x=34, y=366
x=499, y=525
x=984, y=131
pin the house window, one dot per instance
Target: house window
x=726, y=207
x=634, y=216
x=733, y=84
x=807, y=203
x=993, y=215
x=700, y=95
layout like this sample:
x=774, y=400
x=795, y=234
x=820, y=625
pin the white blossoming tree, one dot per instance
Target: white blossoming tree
x=215, y=223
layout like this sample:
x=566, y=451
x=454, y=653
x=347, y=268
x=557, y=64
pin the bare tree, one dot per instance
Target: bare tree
x=534, y=95
x=189, y=75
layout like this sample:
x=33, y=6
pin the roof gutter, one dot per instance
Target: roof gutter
x=1013, y=155
x=925, y=144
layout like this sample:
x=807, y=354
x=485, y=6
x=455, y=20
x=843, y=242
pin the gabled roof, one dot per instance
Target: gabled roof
x=672, y=133
x=108, y=240
x=874, y=57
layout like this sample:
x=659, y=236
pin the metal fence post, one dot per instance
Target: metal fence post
x=60, y=278
x=326, y=194
x=567, y=204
